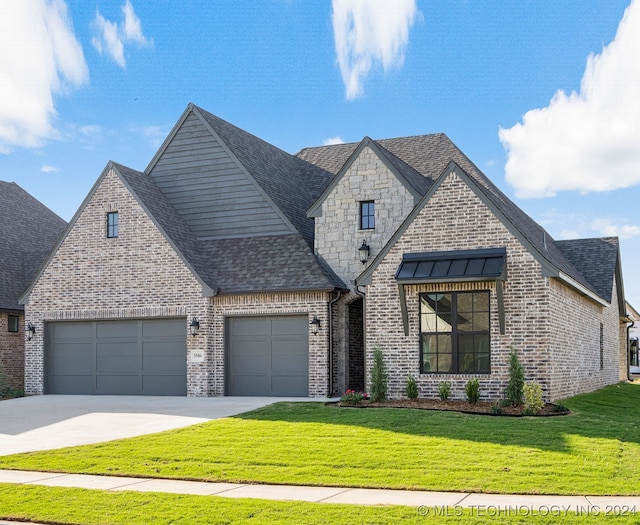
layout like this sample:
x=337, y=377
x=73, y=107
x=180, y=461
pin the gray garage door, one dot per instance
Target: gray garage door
x=142, y=357
x=268, y=356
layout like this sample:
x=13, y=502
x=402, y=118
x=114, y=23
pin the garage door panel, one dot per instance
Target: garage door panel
x=164, y=328
x=288, y=326
x=72, y=384
x=268, y=356
x=114, y=357
x=115, y=329
x=158, y=356
x=72, y=357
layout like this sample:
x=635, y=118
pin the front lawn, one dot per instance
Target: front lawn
x=593, y=451
x=94, y=507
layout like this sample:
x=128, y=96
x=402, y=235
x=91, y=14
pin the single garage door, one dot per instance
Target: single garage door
x=268, y=356
x=141, y=357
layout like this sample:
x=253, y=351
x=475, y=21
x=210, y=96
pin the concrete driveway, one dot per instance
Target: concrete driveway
x=56, y=421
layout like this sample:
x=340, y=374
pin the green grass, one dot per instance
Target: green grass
x=92, y=507
x=593, y=451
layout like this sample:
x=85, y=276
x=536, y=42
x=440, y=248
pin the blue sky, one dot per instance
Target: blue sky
x=542, y=95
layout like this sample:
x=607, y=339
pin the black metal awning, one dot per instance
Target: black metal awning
x=454, y=266
x=461, y=265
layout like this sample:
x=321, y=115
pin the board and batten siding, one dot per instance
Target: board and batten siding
x=210, y=190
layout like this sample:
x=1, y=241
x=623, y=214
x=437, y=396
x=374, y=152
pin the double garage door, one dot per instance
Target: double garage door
x=141, y=357
x=268, y=356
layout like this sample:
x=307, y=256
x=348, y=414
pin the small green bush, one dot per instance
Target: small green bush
x=472, y=390
x=444, y=390
x=560, y=408
x=496, y=409
x=515, y=386
x=533, y=402
x=412, y=388
x=379, y=377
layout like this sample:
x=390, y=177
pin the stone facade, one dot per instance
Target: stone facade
x=12, y=349
x=536, y=321
x=337, y=233
x=135, y=275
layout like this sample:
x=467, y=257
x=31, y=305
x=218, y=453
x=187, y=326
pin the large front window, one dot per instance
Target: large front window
x=454, y=333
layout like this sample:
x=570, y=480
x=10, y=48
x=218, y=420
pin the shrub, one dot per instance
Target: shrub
x=515, y=386
x=496, y=409
x=412, y=388
x=533, y=402
x=472, y=389
x=444, y=390
x=560, y=408
x=354, y=398
x=379, y=377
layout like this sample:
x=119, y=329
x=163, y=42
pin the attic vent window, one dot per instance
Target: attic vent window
x=367, y=215
x=112, y=225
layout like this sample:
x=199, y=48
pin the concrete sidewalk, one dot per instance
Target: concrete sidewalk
x=426, y=502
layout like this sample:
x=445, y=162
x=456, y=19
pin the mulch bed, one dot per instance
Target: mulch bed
x=481, y=407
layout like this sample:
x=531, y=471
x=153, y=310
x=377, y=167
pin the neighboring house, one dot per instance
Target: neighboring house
x=229, y=267
x=634, y=337
x=28, y=230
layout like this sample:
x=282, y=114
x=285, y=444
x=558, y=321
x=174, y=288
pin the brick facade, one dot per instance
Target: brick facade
x=136, y=275
x=12, y=350
x=537, y=322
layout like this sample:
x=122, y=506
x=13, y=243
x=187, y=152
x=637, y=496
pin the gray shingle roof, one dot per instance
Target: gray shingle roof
x=596, y=259
x=429, y=155
x=292, y=183
x=28, y=231
x=242, y=265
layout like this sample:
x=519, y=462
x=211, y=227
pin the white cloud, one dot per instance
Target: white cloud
x=585, y=225
x=375, y=31
x=332, y=141
x=40, y=57
x=607, y=228
x=586, y=141
x=49, y=169
x=155, y=135
x=110, y=37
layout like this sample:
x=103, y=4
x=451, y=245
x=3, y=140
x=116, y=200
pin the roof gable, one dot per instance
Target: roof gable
x=210, y=187
x=532, y=236
x=28, y=230
x=409, y=177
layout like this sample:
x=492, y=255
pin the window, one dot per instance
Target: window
x=112, y=224
x=367, y=215
x=13, y=323
x=601, y=346
x=454, y=333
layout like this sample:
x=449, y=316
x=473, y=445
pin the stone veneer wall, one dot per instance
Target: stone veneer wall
x=12, y=349
x=575, y=344
x=136, y=275
x=455, y=219
x=303, y=303
x=337, y=233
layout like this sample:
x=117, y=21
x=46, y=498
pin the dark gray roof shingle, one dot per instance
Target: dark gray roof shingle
x=28, y=231
x=292, y=183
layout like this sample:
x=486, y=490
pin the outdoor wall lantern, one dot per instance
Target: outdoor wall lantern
x=315, y=325
x=363, y=251
x=31, y=330
x=194, y=327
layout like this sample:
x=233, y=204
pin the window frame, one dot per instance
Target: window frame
x=455, y=333
x=368, y=219
x=16, y=319
x=112, y=225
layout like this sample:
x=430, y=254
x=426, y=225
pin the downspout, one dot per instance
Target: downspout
x=629, y=327
x=330, y=317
